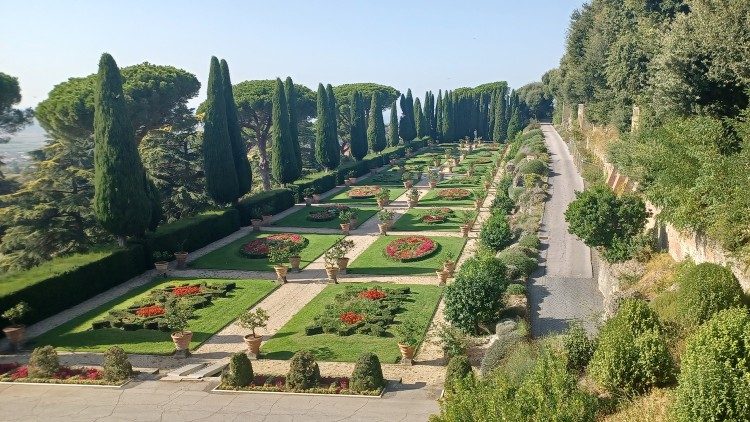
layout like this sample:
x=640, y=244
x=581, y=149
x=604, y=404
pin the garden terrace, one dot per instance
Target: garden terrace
x=344, y=198
x=439, y=197
x=303, y=218
x=374, y=260
x=423, y=219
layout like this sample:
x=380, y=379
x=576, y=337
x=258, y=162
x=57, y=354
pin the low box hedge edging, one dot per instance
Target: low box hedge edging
x=196, y=231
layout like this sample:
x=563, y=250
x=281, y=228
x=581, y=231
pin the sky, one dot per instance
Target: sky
x=422, y=45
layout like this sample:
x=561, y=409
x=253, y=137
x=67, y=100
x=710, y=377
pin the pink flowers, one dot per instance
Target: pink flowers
x=364, y=192
x=259, y=248
x=453, y=194
x=410, y=248
x=64, y=373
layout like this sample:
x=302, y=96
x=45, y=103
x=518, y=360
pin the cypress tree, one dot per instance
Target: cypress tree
x=514, y=125
x=375, y=126
x=283, y=161
x=121, y=200
x=333, y=134
x=405, y=128
x=239, y=150
x=358, y=128
x=439, y=116
x=427, y=114
x=410, y=115
x=491, y=117
x=393, y=126
x=500, y=128
x=323, y=140
x=448, y=110
x=291, y=103
x=218, y=162
x=419, y=121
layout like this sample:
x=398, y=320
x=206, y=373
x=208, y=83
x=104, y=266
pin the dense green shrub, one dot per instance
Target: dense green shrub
x=496, y=233
x=631, y=354
x=534, y=166
x=239, y=373
x=43, y=362
x=578, y=348
x=277, y=200
x=499, y=350
x=502, y=204
x=193, y=233
x=458, y=368
x=516, y=289
x=714, y=383
x=706, y=289
x=319, y=182
x=303, y=371
x=517, y=263
x=116, y=365
x=530, y=243
x=367, y=374
x=475, y=297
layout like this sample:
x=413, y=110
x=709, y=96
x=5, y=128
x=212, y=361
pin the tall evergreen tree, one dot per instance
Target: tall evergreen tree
x=514, y=125
x=439, y=116
x=427, y=114
x=491, y=117
x=411, y=115
x=291, y=103
x=333, y=130
x=358, y=128
x=405, y=126
x=375, y=125
x=324, y=153
x=122, y=203
x=239, y=150
x=500, y=129
x=393, y=126
x=218, y=160
x=448, y=115
x=419, y=119
x=283, y=160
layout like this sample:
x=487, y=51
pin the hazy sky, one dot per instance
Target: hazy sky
x=406, y=44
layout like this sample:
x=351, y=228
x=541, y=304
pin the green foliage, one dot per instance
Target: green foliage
x=713, y=382
x=43, y=362
x=16, y=313
x=239, y=149
x=516, y=289
x=121, y=203
x=116, y=365
x=530, y=242
x=178, y=314
x=499, y=351
x=239, y=373
x=579, y=348
x=12, y=120
x=358, y=127
x=496, y=233
x=631, y=355
x=406, y=129
x=284, y=166
x=192, y=233
x=410, y=332
x=326, y=142
x=376, y=127
x=419, y=119
x=458, y=369
x=474, y=298
x=303, y=371
x=535, y=166
x=517, y=262
x=367, y=374
x=393, y=131
x=278, y=200
x=291, y=103
x=704, y=290
x=254, y=319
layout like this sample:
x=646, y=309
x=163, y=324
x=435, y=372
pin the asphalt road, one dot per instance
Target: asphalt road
x=563, y=289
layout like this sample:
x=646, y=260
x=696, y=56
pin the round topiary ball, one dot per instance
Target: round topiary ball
x=239, y=373
x=458, y=369
x=303, y=371
x=43, y=362
x=367, y=375
x=705, y=289
x=116, y=365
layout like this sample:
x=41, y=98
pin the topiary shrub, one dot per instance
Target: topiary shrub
x=475, y=297
x=458, y=368
x=367, y=374
x=714, y=382
x=239, y=373
x=116, y=365
x=534, y=166
x=704, y=290
x=303, y=371
x=518, y=264
x=43, y=362
x=496, y=233
x=578, y=348
x=631, y=355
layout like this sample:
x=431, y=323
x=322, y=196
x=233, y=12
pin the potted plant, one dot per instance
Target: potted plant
x=406, y=177
x=267, y=214
x=177, y=317
x=470, y=170
x=352, y=177
x=479, y=195
x=408, y=334
x=467, y=219
x=161, y=262
x=256, y=220
x=385, y=217
x=442, y=276
x=294, y=255
x=383, y=197
x=308, y=193
x=278, y=254
x=345, y=216
x=181, y=255
x=413, y=197
x=341, y=248
x=353, y=218
x=16, y=332
x=252, y=320
x=331, y=260
x=449, y=263
x=434, y=178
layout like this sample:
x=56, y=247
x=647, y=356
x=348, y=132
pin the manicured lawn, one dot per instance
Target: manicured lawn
x=332, y=347
x=76, y=334
x=230, y=258
x=432, y=200
x=412, y=221
x=299, y=218
x=390, y=179
x=473, y=182
x=343, y=197
x=374, y=260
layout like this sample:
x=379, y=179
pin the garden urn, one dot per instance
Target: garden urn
x=407, y=353
x=345, y=228
x=347, y=182
x=332, y=273
x=15, y=334
x=162, y=267
x=316, y=198
x=465, y=230
x=181, y=259
x=266, y=219
x=383, y=227
x=412, y=201
x=342, y=263
x=353, y=222
x=253, y=345
x=433, y=183
x=256, y=223
x=442, y=276
x=294, y=263
x=449, y=267
x=281, y=271
x=182, y=340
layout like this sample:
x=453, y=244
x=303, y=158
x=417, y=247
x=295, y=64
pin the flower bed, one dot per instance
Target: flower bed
x=411, y=248
x=65, y=375
x=277, y=384
x=149, y=313
x=362, y=192
x=453, y=194
x=327, y=213
x=361, y=310
x=437, y=215
x=259, y=248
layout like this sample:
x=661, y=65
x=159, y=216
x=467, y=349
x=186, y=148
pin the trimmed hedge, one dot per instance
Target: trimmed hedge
x=278, y=199
x=319, y=182
x=196, y=231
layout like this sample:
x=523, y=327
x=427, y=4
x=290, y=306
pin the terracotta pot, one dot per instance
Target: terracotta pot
x=316, y=198
x=281, y=271
x=347, y=182
x=382, y=203
x=407, y=352
x=465, y=230
x=433, y=183
x=15, y=334
x=412, y=202
x=294, y=263
x=332, y=273
x=383, y=227
x=253, y=344
x=256, y=224
x=162, y=267
x=342, y=263
x=181, y=259
x=450, y=267
x=266, y=219
x=308, y=201
x=408, y=184
x=442, y=276
x=181, y=340
x=352, y=180
x=345, y=227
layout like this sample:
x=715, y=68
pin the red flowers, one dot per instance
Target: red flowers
x=364, y=192
x=259, y=248
x=410, y=248
x=453, y=194
x=186, y=290
x=149, y=311
x=64, y=373
x=351, y=318
x=373, y=294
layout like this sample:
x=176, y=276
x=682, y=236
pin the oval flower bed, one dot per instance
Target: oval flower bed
x=411, y=248
x=437, y=215
x=64, y=375
x=327, y=213
x=362, y=192
x=453, y=194
x=259, y=248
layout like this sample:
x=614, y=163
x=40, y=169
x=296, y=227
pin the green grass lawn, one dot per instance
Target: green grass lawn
x=474, y=182
x=374, y=261
x=299, y=219
x=229, y=257
x=412, y=221
x=432, y=200
x=76, y=334
x=332, y=347
x=343, y=198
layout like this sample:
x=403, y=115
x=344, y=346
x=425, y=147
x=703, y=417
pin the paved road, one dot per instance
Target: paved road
x=563, y=289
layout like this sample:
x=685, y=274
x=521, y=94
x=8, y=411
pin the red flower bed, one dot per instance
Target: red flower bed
x=351, y=318
x=373, y=294
x=186, y=290
x=453, y=194
x=258, y=248
x=279, y=381
x=64, y=373
x=149, y=311
x=410, y=248
x=7, y=367
x=364, y=192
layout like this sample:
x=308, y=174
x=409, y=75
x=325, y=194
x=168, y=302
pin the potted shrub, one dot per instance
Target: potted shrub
x=352, y=177
x=308, y=193
x=161, y=262
x=252, y=320
x=406, y=177
x=413, y=197
x=442, y=276
x=385, y=217
x=467, y=219
x=345, y=216
x=16, y=331
x=408, y=334
x=479, y=195
x=177, y=317
x=341, y=248
x=353, y=218
x=267, y=214
x=331, y=260
x=434, y=177
x=256, y=220
x=383, y=197
x=181, y=255
x=449, y=264
x=294, y=255
x=278, y=254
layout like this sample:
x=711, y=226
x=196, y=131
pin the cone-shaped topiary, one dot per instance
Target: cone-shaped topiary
x=358, y=129
x=239, y=373
x=303, y=371
x=291, y=104
x=116, y=365
x=419, y=119
x=283, y=161
x=375, y=126
x=393, y=126
x=367, y=374
x=43, y=362
x=326, y=145
x=121, y=201
x=239, y=149
x=458, y=368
